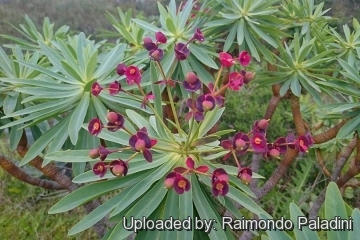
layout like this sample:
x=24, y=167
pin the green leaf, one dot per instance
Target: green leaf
x=355, y=233
x=98, y=213
x=15, y=136
x=211, y=118
x=335, y=207
x=245, y=201
x=144, y=207
x=231, y=36
x=305, y=233
x=10, y=103
x=40, y=144
x=141, y=187
x=275, y=235
x=77, y=118
x=204, y=209
x=170, y=210
x=202, y=56
x=186, y=210
x=90, y=191
x=349, y=127
x=140, y=122
x=147, y=26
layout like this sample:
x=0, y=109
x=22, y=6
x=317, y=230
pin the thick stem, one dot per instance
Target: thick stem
x=344, y=156
x=330, y=133
x=10, y=167
x=273, y=103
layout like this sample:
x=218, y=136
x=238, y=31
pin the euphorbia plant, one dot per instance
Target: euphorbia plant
x=163, y=173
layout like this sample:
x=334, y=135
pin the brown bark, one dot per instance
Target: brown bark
x=330, y=133
x=10, y=167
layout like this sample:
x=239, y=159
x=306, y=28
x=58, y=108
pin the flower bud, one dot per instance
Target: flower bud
x=207, y=105
x=118, y=170
x=94, y=153
x=112, y=117
x=169, y=183
x=274, y=153
x=240, y=144
x=248, y=76
x=245, y=178
x=263, y=124
x=190, y=77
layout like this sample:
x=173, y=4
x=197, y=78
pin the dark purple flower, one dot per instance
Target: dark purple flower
x=119, y=167
x=219, y=174
x=258, y=143
x=245, y=174
x=141, y=142
x=198, y=35
x=181, y=51
x=205, y=103
x=181, y=184
x=120, y=69
x=149, y=44
x=103, y=152
x=220, y=188
x=241, y=142
x=116, y=121
x=100, y=169
x=160, y=37
x=303, y=143
x=96, y=89
x=191, y=83
x=114, y=88
x=281, y=145
x=95, y=126
x=191, y=167
x=193, y=111
x=156, y=55
x=133, y=75
x=291, y=141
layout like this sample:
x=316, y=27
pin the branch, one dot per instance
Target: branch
x=16, y=172
x=330, y=133
x=274, y=102
x=64, y=181
x=344, y=156
x=321, y=163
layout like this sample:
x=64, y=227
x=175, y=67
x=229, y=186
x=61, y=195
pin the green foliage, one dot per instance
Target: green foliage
x=334, y=207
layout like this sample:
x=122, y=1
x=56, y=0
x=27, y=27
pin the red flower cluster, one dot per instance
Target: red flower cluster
x=177, y=180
